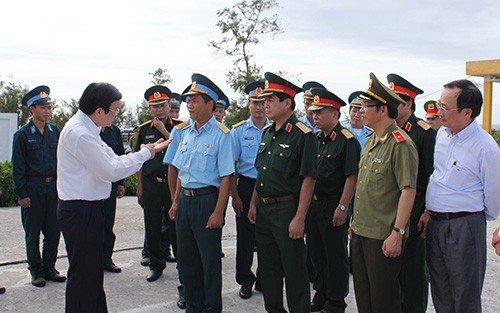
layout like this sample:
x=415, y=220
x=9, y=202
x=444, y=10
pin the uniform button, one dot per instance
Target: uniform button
x=264, y=168
x=261, y=184
x=360, y=182
x=192, y=152
x=376, y=170
x=318, y=155
x=274, y=137
x=268, y=152
x=281, y=154
x=369, y=153
x=364, y=166
x=357, y=197
x=323, y=143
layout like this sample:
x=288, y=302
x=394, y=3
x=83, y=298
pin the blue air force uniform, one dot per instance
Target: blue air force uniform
x=34, y=176
x=204, y=156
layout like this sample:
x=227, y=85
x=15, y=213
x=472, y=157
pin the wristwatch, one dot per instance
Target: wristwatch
x=342, y=207
x=401, y=231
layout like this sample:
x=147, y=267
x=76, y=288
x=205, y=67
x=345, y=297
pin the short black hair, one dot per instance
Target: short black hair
x=408, y=98
x=470, y=96
x=98, y=95
x=207, y=98
x=283, y=96
x=391, y=111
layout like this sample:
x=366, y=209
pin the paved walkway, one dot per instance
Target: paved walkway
x=129, y=291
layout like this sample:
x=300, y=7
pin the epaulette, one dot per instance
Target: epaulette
x=369, y=128
x=145, y=123
x=177, y=120
x=317, y=132
x=424, y=125
x=399, y=136
x=303, y=128
x=347, y=133
x=223, y=128
x=181, y=125
x=239, y=123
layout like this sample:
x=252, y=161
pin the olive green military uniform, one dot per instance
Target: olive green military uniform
x=155, y=192
x=387, y=166
x=338, y=158
x=284, y=157
x=414, y=276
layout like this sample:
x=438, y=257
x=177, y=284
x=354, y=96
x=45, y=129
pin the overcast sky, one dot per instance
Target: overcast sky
x=69, y=44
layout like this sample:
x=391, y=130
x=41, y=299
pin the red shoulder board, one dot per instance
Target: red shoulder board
x=288, y=127
x=399, y=137
x=408, y=126
x=333, y=136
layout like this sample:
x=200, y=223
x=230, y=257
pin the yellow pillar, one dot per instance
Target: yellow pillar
x=487, y=107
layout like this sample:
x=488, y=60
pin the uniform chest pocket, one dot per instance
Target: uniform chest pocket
x=249, y=150
x=378, y=173
x=34, y=153
x=328, y=161
x=282, y=159
x=207, y=154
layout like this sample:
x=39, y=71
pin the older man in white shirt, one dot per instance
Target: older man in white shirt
x=462, y=194
x=85, y=169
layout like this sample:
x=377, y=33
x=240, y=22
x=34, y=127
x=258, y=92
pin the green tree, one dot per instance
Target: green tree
x=160, y=77
x=11, y=94
x=242, y=25
x=63, y=111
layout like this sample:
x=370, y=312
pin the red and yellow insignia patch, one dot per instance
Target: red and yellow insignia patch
x=258, y=91
x=266, y=84
x=391, y=86
x=316, y=99
x=333, y=136
x=408, y=126
x=43, y=94
x=398, y=136
x=193, y=85
x=156, y=95
x=288, y=127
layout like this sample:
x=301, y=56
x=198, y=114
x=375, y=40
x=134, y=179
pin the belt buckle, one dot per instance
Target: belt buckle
x=188, y=192
x=48, y=179
x=265, y=200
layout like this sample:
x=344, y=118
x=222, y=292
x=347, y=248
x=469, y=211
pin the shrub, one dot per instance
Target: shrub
x=131, y=185
x=8, y=197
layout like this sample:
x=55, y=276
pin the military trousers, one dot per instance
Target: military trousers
x=245, y=237
x=41, y=217
x=328, y=247
x=375, y=277
x=199, y=253
x=280, y=257
x=109, y=222
x=156, y=200
x=414, y=275
x=168, y=237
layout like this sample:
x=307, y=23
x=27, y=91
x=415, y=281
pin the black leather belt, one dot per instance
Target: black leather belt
x=41, y=179
x=160, y=179
x=247, y=179
x=320, y=197
x=268, y=200
x=438, y=216
x=199, y=191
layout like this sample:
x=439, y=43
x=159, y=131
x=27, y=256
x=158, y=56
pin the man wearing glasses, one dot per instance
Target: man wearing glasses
x=385, y=192
x=414, y=275
x=462, y=194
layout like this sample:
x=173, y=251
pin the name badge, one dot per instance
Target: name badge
x=249, y=138
x=377, y=160
x=149, y=137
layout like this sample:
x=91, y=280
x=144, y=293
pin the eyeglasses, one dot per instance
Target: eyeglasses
x=111, y=110
x=445, y=110
x=368, y=104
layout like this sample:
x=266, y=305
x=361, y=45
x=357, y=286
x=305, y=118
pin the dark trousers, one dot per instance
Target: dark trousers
x=109, y=222
x=168, y=237
x=456, y=255
x=199, y=250
x=328, y=247
x=376, y=283
x=414, y=275
x=156, y=199
x=41, y=217
x=245, y=237
x=82, y=225
x=281, y=257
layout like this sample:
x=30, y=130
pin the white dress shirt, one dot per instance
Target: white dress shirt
x=466, y=174
x=86, y=165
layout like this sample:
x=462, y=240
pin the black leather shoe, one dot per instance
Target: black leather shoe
x=145, y=261
x=257, y=286
x=170, y=258
x=181, y=303
x=245, y=292
x=2, y=290
x=154, y=275
x=53, y=275
x=222, y=254
x=38, y=281
x=316, y=307
x=111, y=267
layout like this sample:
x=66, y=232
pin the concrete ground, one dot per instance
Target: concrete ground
x=129, y=291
